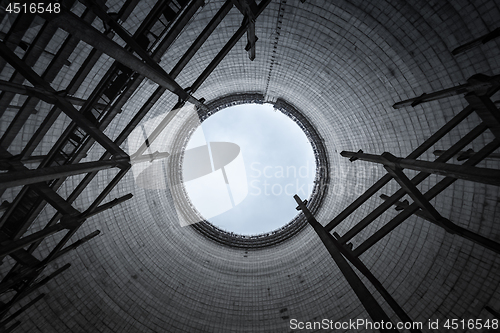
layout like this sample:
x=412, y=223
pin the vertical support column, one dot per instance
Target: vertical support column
x=377, y=284
x=369, y=302
x=249, y=9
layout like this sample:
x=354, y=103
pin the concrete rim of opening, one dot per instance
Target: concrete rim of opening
x=266, y=239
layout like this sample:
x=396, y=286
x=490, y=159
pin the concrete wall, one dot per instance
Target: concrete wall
x=343, y=64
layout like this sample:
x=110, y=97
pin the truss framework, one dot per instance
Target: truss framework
x=479, y=90
x=89, y=120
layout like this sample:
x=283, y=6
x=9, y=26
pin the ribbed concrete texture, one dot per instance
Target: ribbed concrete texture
x=343, y=64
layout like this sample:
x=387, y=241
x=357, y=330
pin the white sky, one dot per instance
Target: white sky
x=278, y=163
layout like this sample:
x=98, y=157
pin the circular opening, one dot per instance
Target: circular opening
x=242, y=166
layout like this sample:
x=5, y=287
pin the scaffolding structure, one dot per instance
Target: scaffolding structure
x=133, y=63
x=478, y=91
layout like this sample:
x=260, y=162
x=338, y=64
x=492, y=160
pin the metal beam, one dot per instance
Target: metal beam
x=127, y=9
x=8, y=246
x=33, y=91
x=199, y=81
x=225, y=50
x=26, y=177
x=87, y=33
x=429, y=195
x=11, y=280
x=478, y=83
x=21, y=310
x=460, y=144
x=109, y=205
x=445, y=129
x=249, y=9
x=487, y=111
x=88, y=212
x=467, y=234
x=367, y=300
x=209, y=29
x=463, y=155
x=159, y=129
x=149, y=157
x=74, y=245
x=94, y=55
x=42, y=189
x=251, y=40
x=360, y=266
x=476, y=42
x=131, y=42
x=418, y=197
x=119, y=140
x=475, y=174
x=61, y=102
x=31, y=288
x=12, y=327
x=178, y=26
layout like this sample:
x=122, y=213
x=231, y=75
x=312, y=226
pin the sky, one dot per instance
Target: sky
x=275, y=161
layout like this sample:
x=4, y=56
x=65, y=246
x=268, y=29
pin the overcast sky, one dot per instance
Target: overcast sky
x=278, y=162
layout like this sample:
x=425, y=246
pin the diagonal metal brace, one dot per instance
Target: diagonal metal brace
x=415, y=194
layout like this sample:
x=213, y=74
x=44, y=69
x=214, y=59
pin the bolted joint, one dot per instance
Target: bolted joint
x=355, y=157
x=299, y=208
x=418, y=100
